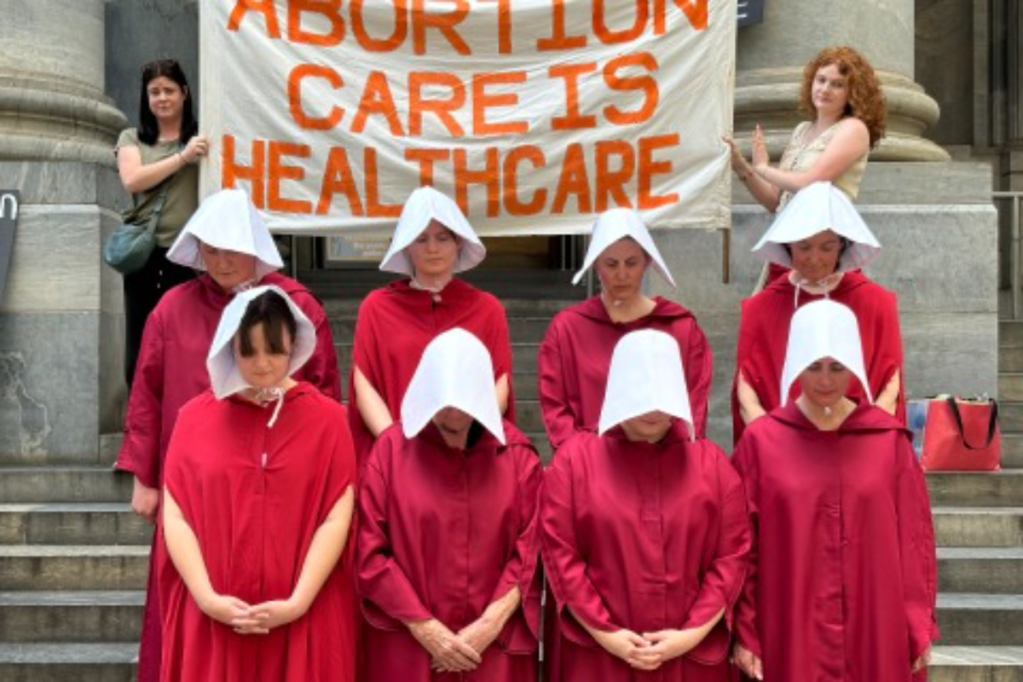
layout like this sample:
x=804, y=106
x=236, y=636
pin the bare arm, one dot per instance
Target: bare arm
x=749, y=403
x=502, y=393
x=888, y=399
x=372, y=407
x=765, y=194
x=138, y=177
x=850, y=142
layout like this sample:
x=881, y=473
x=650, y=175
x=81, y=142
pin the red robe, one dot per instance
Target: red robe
x=254, y=496
x=843, y=577
x=442, y=534
x=764, y=337
x=575, y=357
x=645, y=537
x=395, y=325
x=171, y=370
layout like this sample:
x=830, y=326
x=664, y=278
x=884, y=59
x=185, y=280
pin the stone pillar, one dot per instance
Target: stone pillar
x=60, y=329
x=771, y=57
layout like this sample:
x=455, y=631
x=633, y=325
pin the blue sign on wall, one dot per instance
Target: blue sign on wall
x=751, y=12
x=9, y=205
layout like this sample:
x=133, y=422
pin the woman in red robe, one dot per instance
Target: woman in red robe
x=230, y=244
x=644, y=532
x=447, y=551
x=432, y=242
x=258, y=498
x=576, y=352
x=824, y=240
x=843, y=579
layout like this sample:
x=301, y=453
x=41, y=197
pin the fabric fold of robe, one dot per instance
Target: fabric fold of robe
x=843, y=574
x=764, y=334
x=170, y=371
x=395, y=325
x=576, y=354
x=442, y=534
x=646, y=537
x=254, y=496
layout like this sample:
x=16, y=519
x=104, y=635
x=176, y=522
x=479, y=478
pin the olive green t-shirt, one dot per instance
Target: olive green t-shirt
x=182, y=193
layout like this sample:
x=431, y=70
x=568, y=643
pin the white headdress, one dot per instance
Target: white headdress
x=224, y=375
x=227, y=220
x=423, y=205
x=616, y=224
x=455, y=371
x=823, y=329
x=646, y=375
x=815, y=208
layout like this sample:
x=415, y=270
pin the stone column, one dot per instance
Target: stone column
x=60, y=329
x=771, y=57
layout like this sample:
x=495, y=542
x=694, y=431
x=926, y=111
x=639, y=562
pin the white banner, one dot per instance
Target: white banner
x=534, y=115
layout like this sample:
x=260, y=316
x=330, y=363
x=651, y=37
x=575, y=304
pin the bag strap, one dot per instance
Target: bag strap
x=161, y=199
x=991, y=426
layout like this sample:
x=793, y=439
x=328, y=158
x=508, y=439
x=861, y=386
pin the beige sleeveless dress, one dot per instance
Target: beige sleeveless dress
x=800, y=155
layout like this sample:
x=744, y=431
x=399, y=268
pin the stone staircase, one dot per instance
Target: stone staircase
x=73, y=562
x=978, y=521
x=73, y=557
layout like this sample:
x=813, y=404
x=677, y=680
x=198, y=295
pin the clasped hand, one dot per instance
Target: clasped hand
x=246, y=619
x=650, y=650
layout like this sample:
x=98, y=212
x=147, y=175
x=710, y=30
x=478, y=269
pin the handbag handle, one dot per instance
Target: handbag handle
x=992, y=424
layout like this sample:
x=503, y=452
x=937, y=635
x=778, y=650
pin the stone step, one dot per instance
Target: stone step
x=976, y=664
x=1010, y=359
x=982, y=570
x=64, y=484
x=987, y=489
x=72, y=524
x=980, y=619
x=978, y=526
x=1010, y=386
x=1010, y=333
x=77, y=567
x=1012, y=450
x=523, y=358
x=529, y=416
x=1010, y=416
x=520, y=329
x=106, y=662
x=78, y=617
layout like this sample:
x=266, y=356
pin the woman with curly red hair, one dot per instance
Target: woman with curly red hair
x=841, y=94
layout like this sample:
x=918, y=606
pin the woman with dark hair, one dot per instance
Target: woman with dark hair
x=156, y=164
x=230, y=244
x=258, y=497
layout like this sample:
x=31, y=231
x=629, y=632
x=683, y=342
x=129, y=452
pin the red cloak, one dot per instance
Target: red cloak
x=764, y=336
x=645, y=537
x=171, y=370
x=254, y=496
x=397, y=322
x=442, y=534
x=843, y=574
x=575, y=357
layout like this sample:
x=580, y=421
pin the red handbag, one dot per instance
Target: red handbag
x=961, y=435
